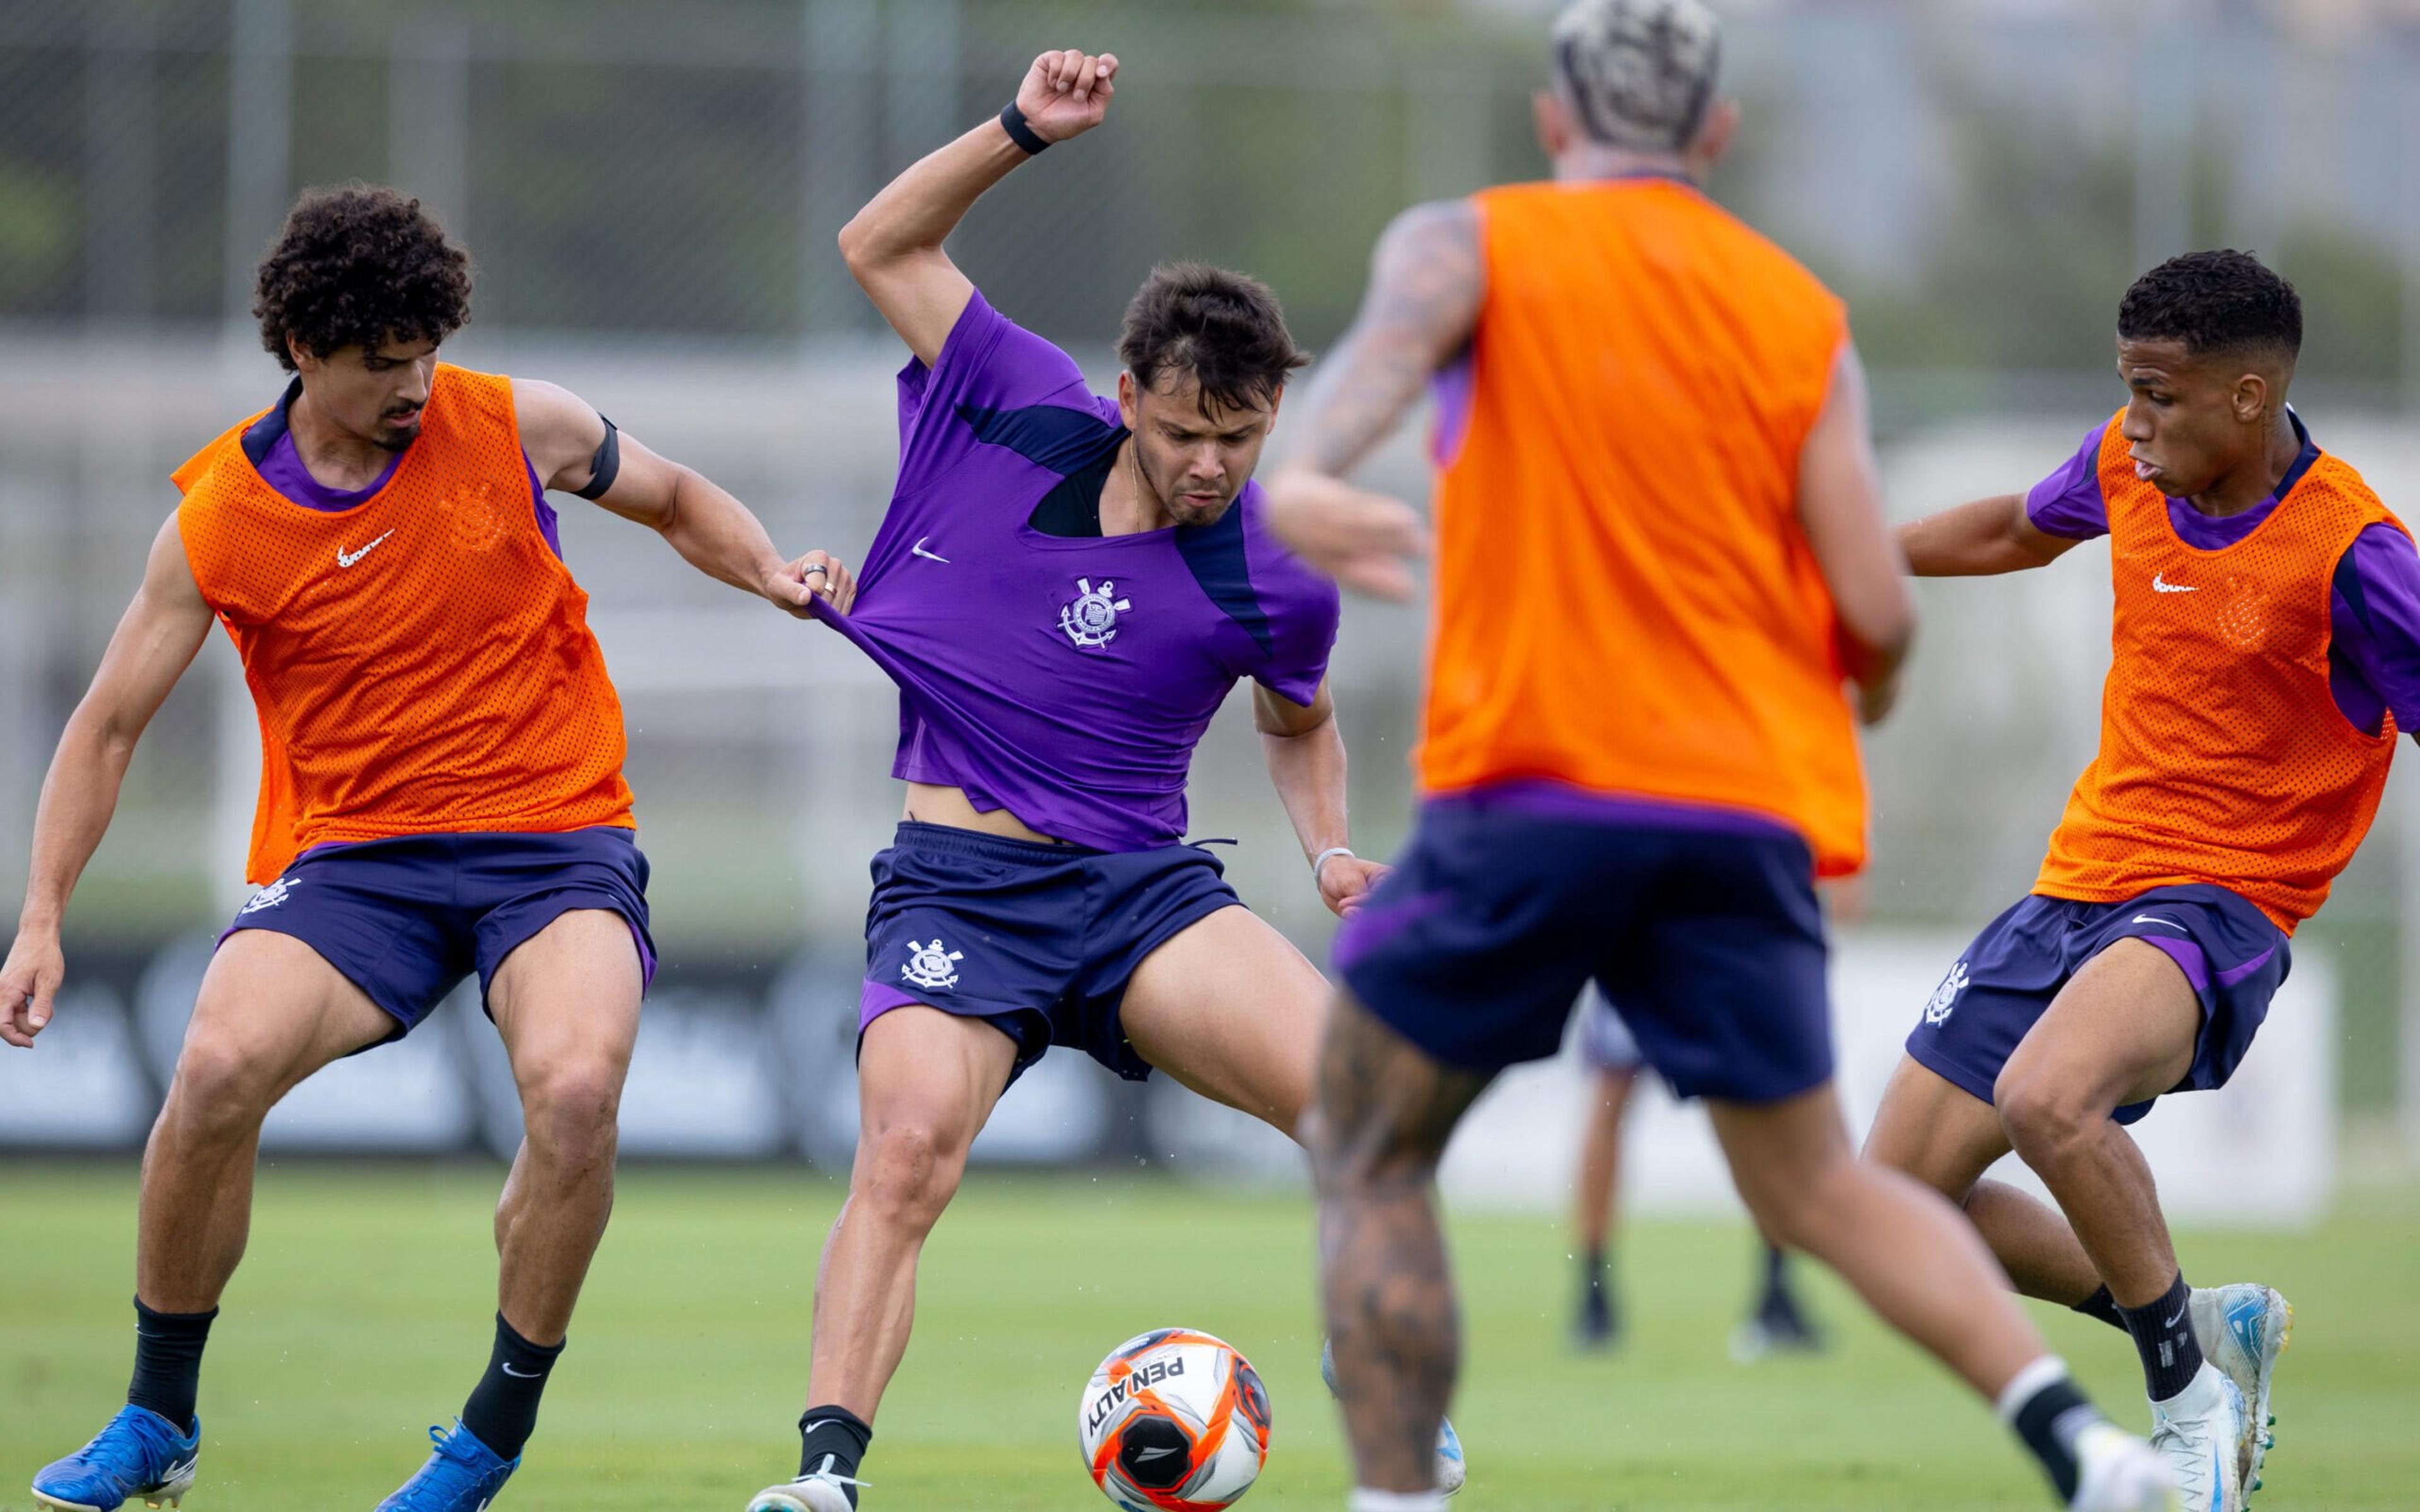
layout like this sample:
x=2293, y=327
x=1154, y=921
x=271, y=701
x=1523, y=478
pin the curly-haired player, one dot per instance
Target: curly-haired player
x=441, y=792
x=2267, y=650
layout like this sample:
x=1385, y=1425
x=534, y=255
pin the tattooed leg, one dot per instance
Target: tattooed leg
x=1385, y=1111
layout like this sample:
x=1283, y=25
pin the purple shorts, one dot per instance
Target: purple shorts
x=403, y=919
x=1702, y=925
x=1037, y=940
x=2230, y=952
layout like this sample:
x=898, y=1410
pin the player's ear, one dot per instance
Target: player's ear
x=2251, y=399
x=1126, y=398
x=1714, y=136
x=306, y=360
x=1557, y=136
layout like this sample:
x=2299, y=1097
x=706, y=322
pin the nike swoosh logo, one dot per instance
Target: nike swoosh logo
x=521, y=1375
x=2154, y=918
x=345, y=559
x=918, y=550
x=2160, y=585
x=1153, y=1454
x=2170, y=1323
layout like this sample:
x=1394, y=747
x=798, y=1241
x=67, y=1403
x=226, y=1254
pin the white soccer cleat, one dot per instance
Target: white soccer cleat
x=2116, y=1472
x=2196, y=1432
x=822, y=1491
x=2243, y=1329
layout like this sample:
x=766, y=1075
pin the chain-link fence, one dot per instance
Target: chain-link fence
x=650, y=194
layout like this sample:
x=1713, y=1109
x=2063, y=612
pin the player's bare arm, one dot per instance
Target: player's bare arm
x=1840, y=508
x=1306, y=756
x=1427, y=281
x=153, y=644
x=894, y=245
x=712, y=530
x=1981, y=539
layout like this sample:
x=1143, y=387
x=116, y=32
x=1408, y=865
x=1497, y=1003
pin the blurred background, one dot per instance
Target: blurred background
x=651, y=191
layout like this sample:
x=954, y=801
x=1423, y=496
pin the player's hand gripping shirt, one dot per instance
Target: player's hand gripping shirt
x=421, y=661
x=2229, y=748
x=1063, y=678
x=1632, y=608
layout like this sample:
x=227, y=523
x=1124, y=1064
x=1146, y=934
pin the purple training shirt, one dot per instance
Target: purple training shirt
x=2374, y=654
x=1063, y=678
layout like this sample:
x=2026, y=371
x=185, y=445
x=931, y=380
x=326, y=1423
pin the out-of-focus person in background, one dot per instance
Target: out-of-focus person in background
x=1661, y=553
x=1776, y=1321
x=440, y=793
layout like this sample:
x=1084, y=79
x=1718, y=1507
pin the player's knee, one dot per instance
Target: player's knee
x=1796, y=1209
x=570, y=1111
x=220, y=1090
x=2042, y=1117
x=910, y=1171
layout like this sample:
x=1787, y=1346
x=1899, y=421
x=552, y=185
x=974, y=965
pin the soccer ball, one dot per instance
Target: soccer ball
x=1173, y=1420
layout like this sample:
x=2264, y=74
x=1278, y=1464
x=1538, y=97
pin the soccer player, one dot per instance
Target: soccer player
x=1661, y=549
x=1776, y=1323
x=440, y=793
x=1065, y=587
x=2267, y=649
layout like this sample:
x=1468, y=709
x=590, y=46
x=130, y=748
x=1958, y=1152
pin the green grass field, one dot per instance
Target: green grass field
x=362, y=1314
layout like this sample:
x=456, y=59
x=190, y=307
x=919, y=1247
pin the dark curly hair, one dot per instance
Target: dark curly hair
x=1224, y=331
x=358, y=265
x=2214, y=302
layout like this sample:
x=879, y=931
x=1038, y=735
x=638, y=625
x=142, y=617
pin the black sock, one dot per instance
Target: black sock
x=2048, y=1422
x=1592, y=1269
x=2103, y=1306
x=833, y=1438
x=503, y=1408
x=1777, y=1281
x=2164, y=1337
x=169, y=1362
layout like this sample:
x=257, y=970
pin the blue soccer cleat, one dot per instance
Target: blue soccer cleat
x=1451, y=1470
x=462, y=1475
x=139, y=1454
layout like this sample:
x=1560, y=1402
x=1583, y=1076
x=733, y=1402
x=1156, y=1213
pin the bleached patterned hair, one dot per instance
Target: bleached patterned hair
x=1639, y=73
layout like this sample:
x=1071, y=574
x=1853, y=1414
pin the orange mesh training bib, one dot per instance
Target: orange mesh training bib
x=2224, y=758
x=421, y=662
x=1626, y=602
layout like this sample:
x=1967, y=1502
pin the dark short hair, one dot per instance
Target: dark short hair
x=358, y=265
x=2214, y=302
x=1222, y=329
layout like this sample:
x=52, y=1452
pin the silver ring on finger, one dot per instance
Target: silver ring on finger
x=817, y=568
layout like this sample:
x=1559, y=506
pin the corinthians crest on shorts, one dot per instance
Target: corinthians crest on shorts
x=930, y=966
x=1945, y=997
x=1091, y=620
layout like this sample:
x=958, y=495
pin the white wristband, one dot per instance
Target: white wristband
x=1319, y=862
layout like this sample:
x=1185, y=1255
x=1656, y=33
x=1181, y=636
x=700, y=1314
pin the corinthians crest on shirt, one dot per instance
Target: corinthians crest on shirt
x=1092, y=621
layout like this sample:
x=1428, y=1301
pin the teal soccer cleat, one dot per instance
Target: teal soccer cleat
x=461, y=1476
x=138, y=1454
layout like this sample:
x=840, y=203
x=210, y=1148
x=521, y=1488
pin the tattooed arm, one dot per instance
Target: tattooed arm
x=1426, y=282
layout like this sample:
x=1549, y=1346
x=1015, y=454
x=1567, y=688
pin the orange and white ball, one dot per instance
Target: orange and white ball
x=1173, y=1420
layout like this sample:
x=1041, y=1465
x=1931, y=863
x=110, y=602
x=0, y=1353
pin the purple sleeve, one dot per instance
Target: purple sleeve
x=1304, y=609
x=2067, y=503
x=2377, y=617
x=989, y=362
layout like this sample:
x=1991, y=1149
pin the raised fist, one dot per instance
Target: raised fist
x=1066, y=94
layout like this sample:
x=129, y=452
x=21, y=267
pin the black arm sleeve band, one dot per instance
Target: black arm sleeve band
x=605, y=466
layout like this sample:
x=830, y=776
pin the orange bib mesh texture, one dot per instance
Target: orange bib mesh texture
x=2224, y=758
x=421, y=662
x=1626, y=602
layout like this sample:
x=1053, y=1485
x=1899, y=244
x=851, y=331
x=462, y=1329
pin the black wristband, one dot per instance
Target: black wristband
x=1020, y=131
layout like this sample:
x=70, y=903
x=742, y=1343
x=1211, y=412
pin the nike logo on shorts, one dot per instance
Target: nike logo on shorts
x=2154, y=918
